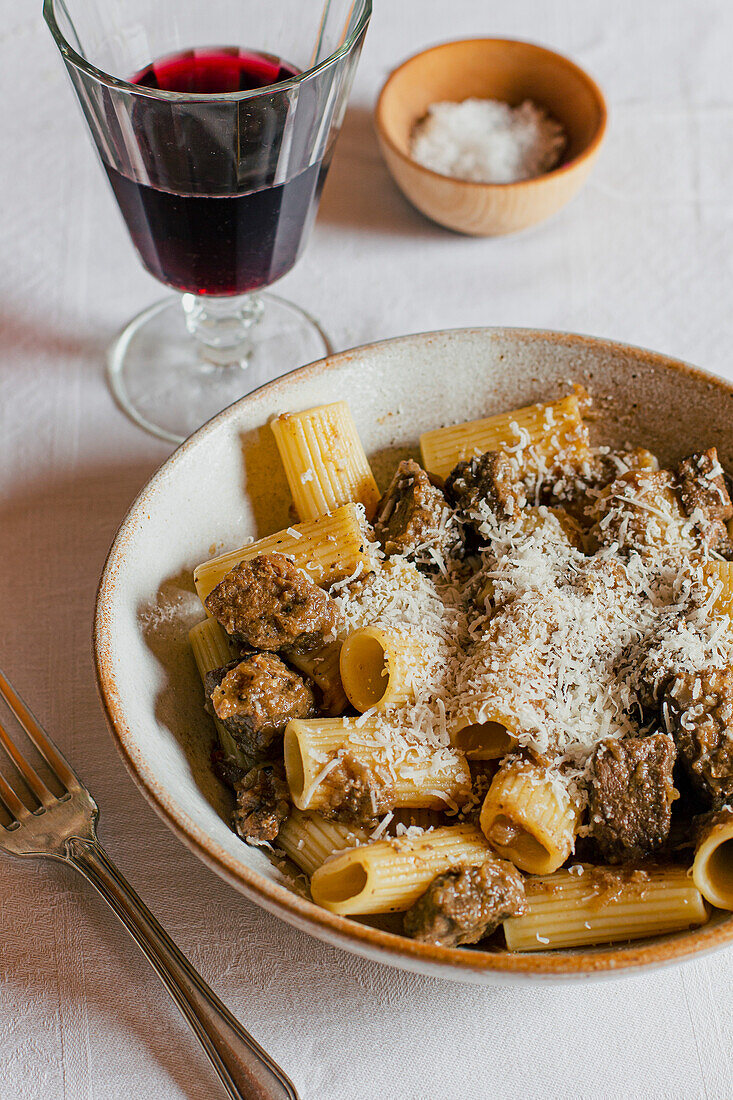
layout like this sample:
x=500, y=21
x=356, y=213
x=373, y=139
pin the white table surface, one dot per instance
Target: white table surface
x=645, y=254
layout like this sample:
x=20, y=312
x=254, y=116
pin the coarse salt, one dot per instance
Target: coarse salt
x=486, y=141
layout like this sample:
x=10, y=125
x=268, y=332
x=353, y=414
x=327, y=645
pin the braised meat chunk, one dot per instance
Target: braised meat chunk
x=270, y=604
x=491, y=479
x=413, y=516
x=263, y=804
x=356, y=794
x=705, y=497
x=631, y=795
x=465, y=904
x=255, y=698
x=699, y=707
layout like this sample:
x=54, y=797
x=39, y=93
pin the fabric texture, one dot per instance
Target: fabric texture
x=644, y=254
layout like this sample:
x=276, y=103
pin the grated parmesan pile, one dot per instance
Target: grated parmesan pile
x=576, y=641
x=571, y=644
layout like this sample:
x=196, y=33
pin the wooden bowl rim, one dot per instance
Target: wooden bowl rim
x=587, y=153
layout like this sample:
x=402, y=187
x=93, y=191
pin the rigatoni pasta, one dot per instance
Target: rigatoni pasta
x=718, y=578
x=324, y=460
x=309, y=839
x=211, y=646
x=482, y=739
x=712, y=867
x=212, y=649
x=389, y=876
x=507, y=688
x=529, y=818
x=317, y=751
x=543, y=434
x=589, y=905
x=379, y=667
x=329, y=549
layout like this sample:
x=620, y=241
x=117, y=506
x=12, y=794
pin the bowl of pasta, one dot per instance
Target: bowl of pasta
x=443, y=674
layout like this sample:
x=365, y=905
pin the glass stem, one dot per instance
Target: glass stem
x=223, y=327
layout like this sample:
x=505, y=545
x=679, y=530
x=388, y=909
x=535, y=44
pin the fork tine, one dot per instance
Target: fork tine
x=31, y=777
x=15, y=807
x=38, y=736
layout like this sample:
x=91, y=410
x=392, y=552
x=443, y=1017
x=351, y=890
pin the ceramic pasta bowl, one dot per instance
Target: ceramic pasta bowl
x=227, y=483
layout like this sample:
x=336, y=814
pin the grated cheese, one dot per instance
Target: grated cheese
x=381, y=826
x=564, y=642
x=320, y=776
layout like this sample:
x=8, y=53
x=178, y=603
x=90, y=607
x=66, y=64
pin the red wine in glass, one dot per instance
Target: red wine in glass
x=242, y=227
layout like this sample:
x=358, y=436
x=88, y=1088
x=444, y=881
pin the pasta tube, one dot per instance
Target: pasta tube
x=324, y=460
x=329, y=549
x=482, y=740
x=322, y=665
x=388, y=876
x=378, y=667
x=505, y=681
x=211, y=646
x=712, y=869
x=417, y=776
x=529, y=818
x=590, y=905
x=310, y=839
x=541, y=436
x=212, y=650
x=483, y=729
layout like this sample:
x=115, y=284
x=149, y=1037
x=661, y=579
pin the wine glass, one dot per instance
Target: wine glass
x=215, y=124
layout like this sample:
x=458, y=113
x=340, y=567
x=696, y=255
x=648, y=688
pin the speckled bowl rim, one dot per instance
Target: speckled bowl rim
x=461, y=964
x=585, y=154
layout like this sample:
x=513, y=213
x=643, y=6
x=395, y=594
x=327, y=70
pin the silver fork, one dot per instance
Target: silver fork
x=64, y=828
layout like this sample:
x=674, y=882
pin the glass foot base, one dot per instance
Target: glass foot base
x=165, y=380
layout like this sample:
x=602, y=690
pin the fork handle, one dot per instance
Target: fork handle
x=246, y=1070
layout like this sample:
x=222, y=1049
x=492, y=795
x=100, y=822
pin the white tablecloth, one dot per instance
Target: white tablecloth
x=645, y=254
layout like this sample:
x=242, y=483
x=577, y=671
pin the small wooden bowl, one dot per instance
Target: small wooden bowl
x=490, y=68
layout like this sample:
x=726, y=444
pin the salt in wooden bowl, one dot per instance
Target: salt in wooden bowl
x=511, y=72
